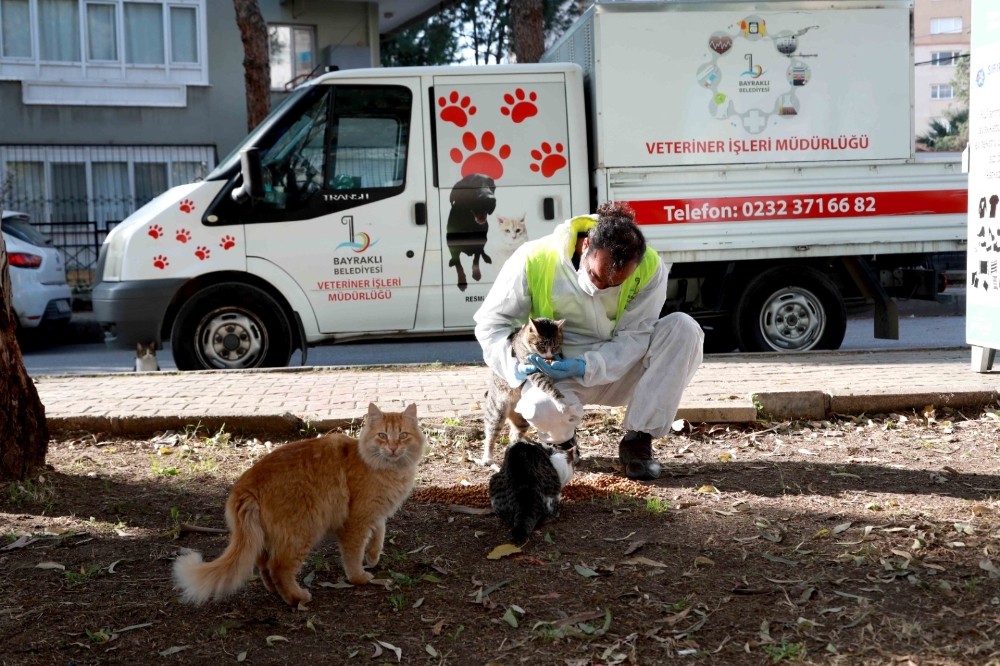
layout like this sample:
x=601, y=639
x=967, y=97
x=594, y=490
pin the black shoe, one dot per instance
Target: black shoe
x=636, y=454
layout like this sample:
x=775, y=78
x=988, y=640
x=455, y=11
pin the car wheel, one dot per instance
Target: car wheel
x=231, y=326
x=791, y=308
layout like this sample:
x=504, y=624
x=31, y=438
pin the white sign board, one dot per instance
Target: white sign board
x=982, y=321
x=708, y=86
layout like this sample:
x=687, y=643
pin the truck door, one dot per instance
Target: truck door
x=503, y=176
x=344, y=207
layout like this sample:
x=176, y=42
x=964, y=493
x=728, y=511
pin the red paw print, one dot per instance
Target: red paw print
x=548, y=159
x=187, y=206
x=227, y=242
x=155, y=231
x=202, y=252
x=455, y=110
x=483, y=161
x=160, y=261
x=183, y=235
x=521, y=106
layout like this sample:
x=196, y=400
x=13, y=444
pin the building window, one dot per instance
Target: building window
x=942, y=91
x=944, y=58
x=15, y=36
x=102, y=32
x=946, y=25
x=117, y=43
x=292, y=51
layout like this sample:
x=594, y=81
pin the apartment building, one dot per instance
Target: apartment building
x=106, y=103
x=941, y=35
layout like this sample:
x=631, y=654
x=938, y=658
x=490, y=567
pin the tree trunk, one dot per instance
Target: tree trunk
x=24, y=435
x=256, y=64
x=528, y=29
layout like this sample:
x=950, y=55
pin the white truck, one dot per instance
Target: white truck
x=766, y=147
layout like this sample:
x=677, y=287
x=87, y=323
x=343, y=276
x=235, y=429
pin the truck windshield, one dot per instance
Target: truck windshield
x=304, y=95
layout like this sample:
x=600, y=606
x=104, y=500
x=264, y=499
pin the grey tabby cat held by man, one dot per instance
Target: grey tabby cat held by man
x=595, y=274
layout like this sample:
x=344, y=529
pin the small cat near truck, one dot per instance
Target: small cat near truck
x=767, y=150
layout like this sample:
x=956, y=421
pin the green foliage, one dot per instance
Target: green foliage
x=950, y=133
x=473, y=31
x=785, y=651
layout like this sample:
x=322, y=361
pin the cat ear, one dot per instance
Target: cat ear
x=411, y=410
x=560, y=322
x=138, y=347
x=373, y=411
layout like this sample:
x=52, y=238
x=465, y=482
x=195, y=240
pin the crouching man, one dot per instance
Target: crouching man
x=596, y=273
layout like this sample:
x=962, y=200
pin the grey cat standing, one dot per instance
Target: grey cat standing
x=538, y=336
x=527, y=490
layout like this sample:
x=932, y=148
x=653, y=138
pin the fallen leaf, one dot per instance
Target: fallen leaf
x=584, y=571
x=174, y=650
x=390, y=646
x=510, y=618
x=50, y=565
x=987, y=565
x=503, y=550
x=274, y=638
x=634, y=546
x=707, y=490
x=702, y=561
x=26, y=540
x=645, y=560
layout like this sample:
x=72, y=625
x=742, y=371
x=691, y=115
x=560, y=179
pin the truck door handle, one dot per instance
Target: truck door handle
x=420, y=213
x=549, y=208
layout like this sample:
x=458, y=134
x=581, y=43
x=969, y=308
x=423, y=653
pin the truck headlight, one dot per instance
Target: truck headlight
x=114, y=256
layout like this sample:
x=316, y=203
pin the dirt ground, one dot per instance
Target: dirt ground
x=863, y=540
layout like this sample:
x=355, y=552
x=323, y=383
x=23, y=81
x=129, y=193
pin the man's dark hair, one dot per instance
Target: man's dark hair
x=617, y=234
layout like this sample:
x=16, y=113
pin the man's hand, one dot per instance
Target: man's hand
x=561, y=369
x=522, y=370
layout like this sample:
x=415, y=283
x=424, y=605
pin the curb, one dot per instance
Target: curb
x=764, y=406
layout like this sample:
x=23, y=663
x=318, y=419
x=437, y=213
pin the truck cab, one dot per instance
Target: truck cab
x=379, y=203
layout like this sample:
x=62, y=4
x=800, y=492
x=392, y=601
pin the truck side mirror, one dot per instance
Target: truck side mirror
x=252, y=188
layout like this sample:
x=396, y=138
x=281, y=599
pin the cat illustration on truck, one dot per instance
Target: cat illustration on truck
x=383, y=202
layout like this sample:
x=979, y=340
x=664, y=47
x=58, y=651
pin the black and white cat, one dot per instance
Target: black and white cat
x=527, y=489
x=145, y=358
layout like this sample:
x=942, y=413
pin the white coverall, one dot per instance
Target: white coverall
x=644, y=362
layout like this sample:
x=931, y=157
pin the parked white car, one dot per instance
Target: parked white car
x=39, y=292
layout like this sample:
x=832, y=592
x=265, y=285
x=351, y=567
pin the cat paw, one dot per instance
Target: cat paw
x=299, y=598
x=485, y=460
x=363, y=578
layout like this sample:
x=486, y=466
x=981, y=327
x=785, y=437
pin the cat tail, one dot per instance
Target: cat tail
x=524, y=525
x=200, y=581
x=526, y=517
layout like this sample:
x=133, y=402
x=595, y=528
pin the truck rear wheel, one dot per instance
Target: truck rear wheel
x=231, y=326
x=791, y=308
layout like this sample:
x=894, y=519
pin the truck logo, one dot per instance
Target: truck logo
x=753, y=71
x=359, y=245
x=733, y=86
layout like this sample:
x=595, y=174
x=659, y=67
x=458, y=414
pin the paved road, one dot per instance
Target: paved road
x=94, y=358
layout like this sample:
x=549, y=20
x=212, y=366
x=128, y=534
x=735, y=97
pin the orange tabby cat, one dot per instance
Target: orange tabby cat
x=291, y=497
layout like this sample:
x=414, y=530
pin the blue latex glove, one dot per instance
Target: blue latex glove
x=522, y=370
x=559, y=369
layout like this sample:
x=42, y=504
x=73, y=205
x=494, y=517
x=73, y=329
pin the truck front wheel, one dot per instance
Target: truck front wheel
x=231, y=326
x=790, y=308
